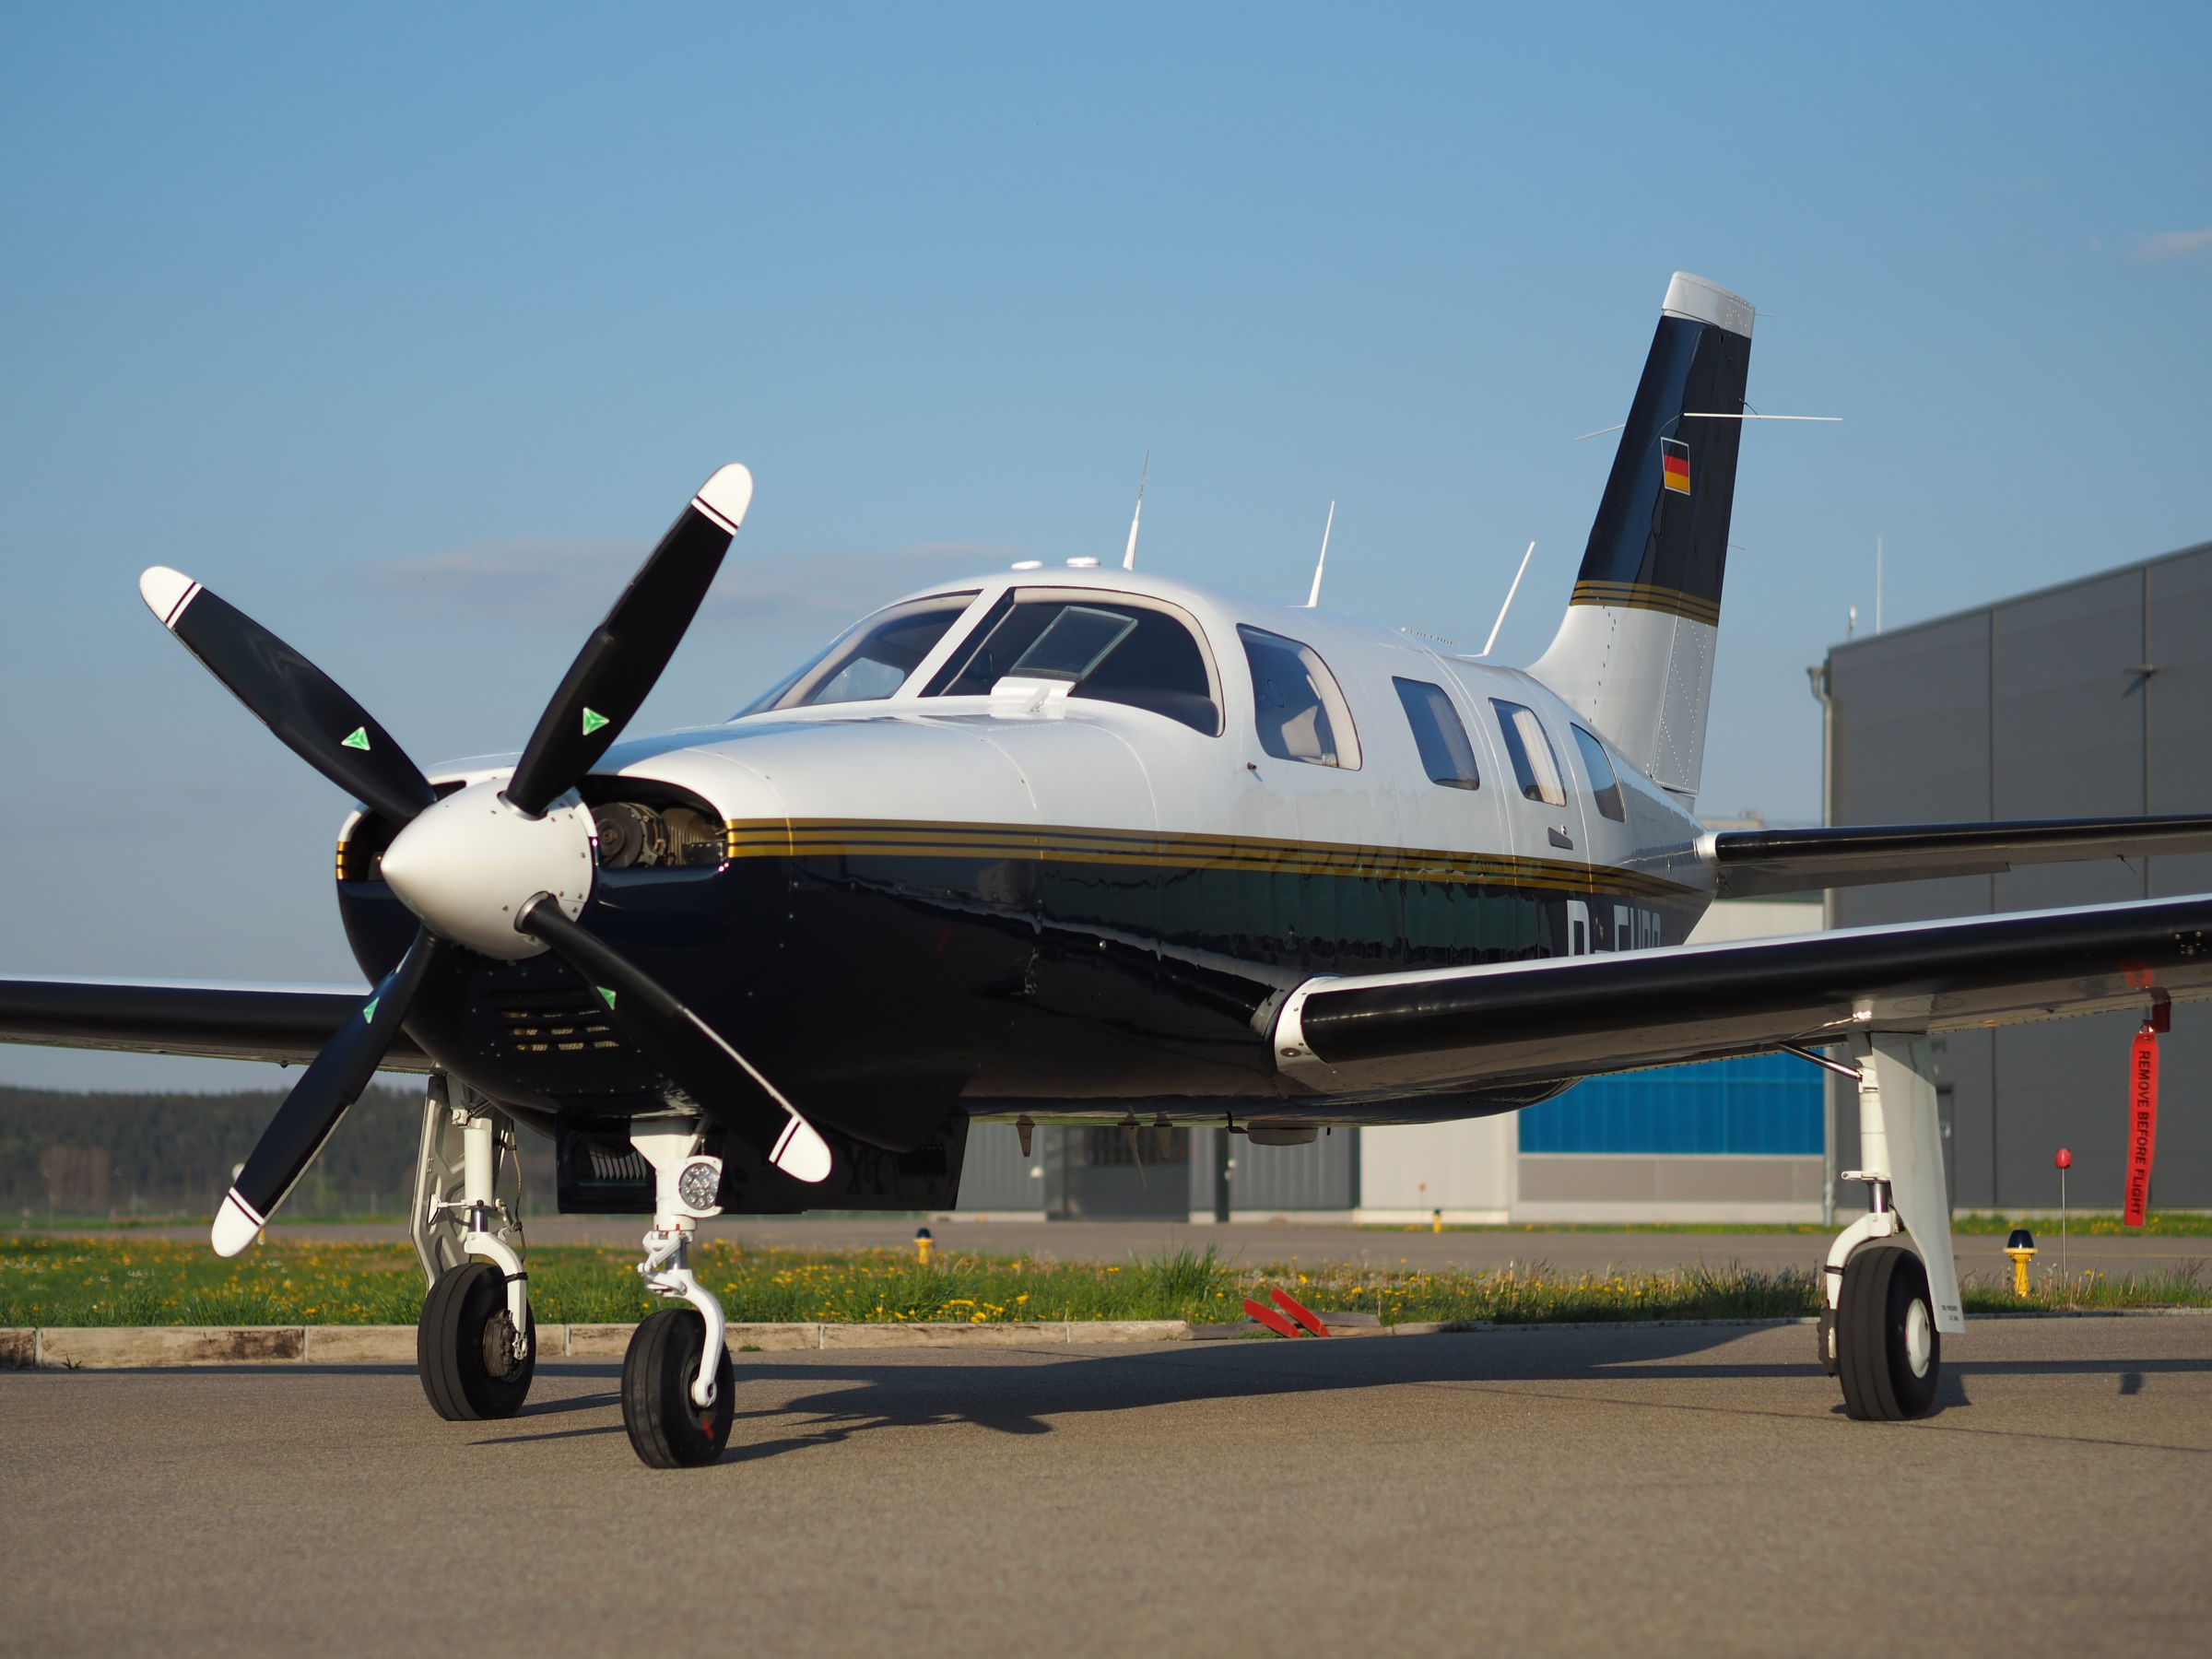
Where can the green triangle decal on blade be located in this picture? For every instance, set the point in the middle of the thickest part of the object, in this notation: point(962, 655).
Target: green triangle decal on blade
point(368, 1013)
point(607, 994)
point(592, 721)
point(359, 739)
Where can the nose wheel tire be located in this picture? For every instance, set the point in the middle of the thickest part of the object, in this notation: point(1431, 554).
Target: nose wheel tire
point(464, 1347)
point(667, 1430)
point(1888, 1356)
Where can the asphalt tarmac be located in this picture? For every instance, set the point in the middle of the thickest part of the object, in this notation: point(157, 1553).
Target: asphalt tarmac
point(1262, 1242)
point(1692, 1490)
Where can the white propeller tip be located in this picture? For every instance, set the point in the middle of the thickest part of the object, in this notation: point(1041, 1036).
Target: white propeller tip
point(167, 593)
point(726, 495)
point(235, 1224)
point(801, 1153)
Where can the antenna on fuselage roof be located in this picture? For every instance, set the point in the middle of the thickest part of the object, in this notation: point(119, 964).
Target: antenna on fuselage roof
point(1322, 563)
point(1508, 605)
point(1137, 518)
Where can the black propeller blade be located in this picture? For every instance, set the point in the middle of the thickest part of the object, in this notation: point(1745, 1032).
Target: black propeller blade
point(615, 670)
point(683, 1045)
point(290, 695)
point(332, 1082)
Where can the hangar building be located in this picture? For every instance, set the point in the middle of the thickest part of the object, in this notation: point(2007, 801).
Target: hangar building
point(2090, 699)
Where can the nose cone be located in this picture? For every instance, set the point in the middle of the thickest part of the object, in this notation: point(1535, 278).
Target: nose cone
point(468, 864)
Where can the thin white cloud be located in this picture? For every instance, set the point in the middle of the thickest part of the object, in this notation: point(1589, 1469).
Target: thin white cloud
point(2174, 244)
point(556, 583)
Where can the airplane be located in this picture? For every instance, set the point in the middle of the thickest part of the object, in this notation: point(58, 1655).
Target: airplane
point(1092, 845)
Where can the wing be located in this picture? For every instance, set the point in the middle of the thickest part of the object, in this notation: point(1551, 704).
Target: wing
point(1574, 1016)
point(284, 1023)
point(1748, 863)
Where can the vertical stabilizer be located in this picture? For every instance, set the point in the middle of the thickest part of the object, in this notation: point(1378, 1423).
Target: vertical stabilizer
point(1634, 654)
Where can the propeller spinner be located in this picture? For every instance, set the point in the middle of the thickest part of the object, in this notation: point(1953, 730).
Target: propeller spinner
point(501, 869)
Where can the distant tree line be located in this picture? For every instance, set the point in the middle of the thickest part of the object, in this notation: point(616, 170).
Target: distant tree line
point(91, 1155)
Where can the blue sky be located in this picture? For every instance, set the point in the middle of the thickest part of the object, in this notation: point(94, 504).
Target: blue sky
point(407, 328)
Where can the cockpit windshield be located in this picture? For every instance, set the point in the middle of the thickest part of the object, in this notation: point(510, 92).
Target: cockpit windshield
point(1110, 647)
point(872, 660)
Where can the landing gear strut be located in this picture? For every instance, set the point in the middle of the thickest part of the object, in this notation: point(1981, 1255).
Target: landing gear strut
point(1888, 1308)
point(676, 1378)
point(475, 1345)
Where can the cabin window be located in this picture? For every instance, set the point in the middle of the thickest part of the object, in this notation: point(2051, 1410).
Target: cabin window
point(872, 660)
point(1301, 713)
point(1535, 766)
point(1110, 650)
point(1605, 786)
point(1446, 754)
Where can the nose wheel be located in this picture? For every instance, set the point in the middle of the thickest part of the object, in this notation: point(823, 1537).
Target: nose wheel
point(667, 1428)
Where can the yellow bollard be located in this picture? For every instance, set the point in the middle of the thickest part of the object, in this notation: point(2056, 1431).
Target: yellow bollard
point(1436, 1220)
point(922, 1244)
point(2020, 1247)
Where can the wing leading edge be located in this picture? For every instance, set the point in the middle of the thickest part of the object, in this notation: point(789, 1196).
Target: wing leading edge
point(1576, 1016)
point(284, 1023)
point(1751, 862)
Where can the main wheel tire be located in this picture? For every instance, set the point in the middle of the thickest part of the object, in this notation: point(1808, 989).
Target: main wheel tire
point(666, 1428)
point(464, 1346)
point(1887, 1352)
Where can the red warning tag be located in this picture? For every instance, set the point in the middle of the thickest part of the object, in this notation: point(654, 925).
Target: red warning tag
point(2142, 1122)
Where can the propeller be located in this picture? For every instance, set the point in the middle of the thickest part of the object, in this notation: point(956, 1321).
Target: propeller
point(691, 1051)
point(503, 868)
point(333, 1081)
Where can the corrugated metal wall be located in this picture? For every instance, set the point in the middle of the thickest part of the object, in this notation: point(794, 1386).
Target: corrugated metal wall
point(2040, 707)
point(1763, 1104)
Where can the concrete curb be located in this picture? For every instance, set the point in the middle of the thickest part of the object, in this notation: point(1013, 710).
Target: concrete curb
point(118, 1347)
point(131, 1348)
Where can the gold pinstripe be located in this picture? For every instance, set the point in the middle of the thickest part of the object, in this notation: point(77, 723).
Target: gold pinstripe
point(1643, 595)
point(841, 838)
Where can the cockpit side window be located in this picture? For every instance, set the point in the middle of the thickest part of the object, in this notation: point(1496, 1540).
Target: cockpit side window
point(1605, 786)
point(873, 659)
point(1528, 747)
point(1301, 714)
point(1446, 755)
point(1112, 651)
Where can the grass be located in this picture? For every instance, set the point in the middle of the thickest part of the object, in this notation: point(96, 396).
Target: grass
point(2178, 1224)
point(60, 1282)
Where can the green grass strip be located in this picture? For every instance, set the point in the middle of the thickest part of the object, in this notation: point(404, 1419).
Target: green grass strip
point(57, 1282)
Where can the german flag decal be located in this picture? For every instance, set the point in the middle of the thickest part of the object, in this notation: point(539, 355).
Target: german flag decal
point(1673, 462)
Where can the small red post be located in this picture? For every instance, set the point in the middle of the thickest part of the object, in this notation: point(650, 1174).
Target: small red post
point(2064, 1160)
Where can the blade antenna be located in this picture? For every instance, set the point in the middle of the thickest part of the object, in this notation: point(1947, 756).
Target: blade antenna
point(1508, 603)
point(1137, 518)
point(1322, 563)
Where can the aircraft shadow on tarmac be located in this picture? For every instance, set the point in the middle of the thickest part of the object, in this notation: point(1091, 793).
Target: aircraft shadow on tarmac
point(1011, 1394)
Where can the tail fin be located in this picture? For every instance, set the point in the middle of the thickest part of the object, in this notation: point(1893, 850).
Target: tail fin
point(1634, 654)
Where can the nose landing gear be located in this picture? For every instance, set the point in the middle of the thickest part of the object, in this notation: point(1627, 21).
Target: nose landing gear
point(676, 1377)
point(475, 1345)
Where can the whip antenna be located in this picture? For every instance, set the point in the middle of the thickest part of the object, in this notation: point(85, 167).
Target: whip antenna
point(1137, 518)
point(1322, 564)
point(1509, 601)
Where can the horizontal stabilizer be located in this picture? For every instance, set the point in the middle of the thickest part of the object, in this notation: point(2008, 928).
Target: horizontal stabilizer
point(1751, 862)
point(1578, 1015)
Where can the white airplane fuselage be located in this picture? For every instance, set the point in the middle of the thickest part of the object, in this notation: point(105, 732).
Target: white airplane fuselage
point(1023, 900)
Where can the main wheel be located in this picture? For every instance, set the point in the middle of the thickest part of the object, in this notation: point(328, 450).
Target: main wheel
point(1888, 1355)
point(464, 1345)
point(667, 1430)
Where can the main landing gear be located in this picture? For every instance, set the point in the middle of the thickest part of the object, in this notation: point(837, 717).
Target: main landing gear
point(475, 1345)
point(1890, 1307)
point(676, 1379)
